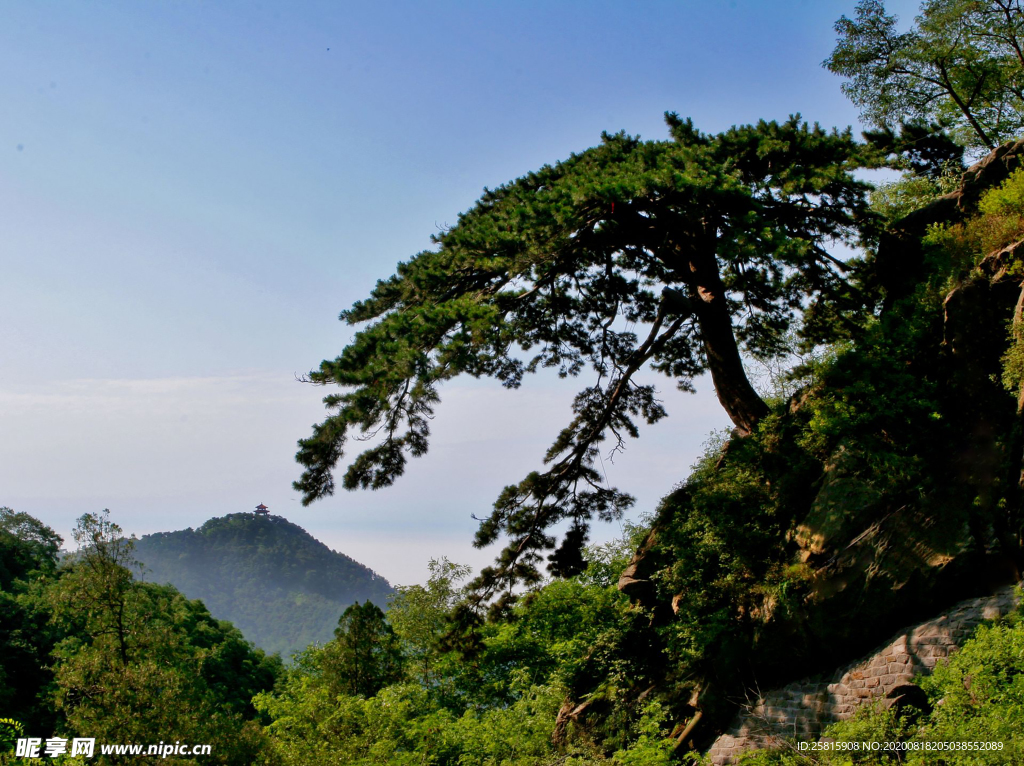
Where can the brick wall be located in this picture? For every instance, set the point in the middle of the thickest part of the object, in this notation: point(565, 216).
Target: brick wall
point(802, 709)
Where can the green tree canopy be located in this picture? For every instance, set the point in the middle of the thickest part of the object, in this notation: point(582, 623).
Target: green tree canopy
point(139, 661)
point(421, 615)
point(670, 254)
point(98, 587)
point(961, 63)
point(27, 547)
point(365, 655)
point(28, 560)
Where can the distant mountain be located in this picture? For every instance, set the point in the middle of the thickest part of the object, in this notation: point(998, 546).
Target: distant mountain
point(282, 588)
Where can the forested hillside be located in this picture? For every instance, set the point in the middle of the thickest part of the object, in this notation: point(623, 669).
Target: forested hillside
point(281, 587)
point(89, 650)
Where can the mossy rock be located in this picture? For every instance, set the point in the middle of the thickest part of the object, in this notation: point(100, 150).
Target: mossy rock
point(845, 501)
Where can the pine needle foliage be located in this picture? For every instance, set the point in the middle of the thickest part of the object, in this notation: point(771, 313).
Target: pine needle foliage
point(670, 255)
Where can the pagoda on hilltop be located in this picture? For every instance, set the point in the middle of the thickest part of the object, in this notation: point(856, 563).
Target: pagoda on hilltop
point(262, 510)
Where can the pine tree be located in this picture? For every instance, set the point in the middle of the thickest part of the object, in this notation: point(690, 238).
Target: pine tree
point(670, 254)
point(365, 655)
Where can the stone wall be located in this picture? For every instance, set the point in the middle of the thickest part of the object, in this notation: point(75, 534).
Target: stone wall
point(801, 710)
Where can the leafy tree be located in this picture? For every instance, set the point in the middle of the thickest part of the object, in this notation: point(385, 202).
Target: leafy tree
point(506, 697)
point(11, 731)
point(28, 562)
point(365, 655)
point(669, 254)
point(399, 726)
point(27, 548)
point(924, 150)
point(98, 588)
point(962, 63)
point(140, 663)
point(421, 615)
point(232, 668)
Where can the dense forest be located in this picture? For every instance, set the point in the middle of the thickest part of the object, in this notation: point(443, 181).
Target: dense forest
point(89, 649)
point(875, 479)
point(282, 588)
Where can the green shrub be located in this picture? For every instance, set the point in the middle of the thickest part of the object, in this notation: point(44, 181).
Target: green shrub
point(956, 248)
point(903, 196)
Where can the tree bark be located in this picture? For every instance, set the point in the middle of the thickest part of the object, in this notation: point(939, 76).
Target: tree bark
point(739, 399)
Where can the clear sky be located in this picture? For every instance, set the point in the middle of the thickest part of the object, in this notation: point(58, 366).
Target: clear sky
point(191, 191)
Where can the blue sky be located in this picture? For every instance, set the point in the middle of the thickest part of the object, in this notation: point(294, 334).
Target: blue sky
point(190, 192)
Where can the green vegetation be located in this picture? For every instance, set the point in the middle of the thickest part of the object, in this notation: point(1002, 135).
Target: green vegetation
point(28, 558)
point(999, 223)
point(978, 696)
point(281, 587)
point(364, 656)
point(960, 63)
point(494, 700)
point(116, 658)
point(669, 254)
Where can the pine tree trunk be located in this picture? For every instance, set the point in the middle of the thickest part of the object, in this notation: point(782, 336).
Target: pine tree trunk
point(741, 402)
